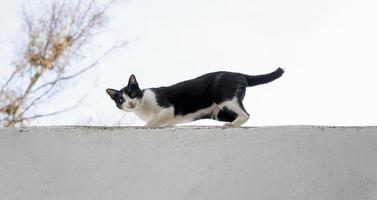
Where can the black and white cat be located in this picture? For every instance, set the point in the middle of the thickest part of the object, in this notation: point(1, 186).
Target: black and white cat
point(216, 95)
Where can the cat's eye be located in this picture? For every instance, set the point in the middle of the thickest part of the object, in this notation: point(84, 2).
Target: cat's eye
point(121, 100)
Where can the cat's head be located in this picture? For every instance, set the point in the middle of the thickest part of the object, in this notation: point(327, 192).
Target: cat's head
point(129, 98)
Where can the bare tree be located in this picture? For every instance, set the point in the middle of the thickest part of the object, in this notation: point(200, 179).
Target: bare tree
point(55, 38)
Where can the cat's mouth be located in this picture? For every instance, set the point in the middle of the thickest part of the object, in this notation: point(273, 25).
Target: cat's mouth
point(130, 108)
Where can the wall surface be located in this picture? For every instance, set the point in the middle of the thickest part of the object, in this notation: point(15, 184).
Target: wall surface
point(189, 163)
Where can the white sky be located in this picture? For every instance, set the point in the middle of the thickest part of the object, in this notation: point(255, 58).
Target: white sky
point(328, 48)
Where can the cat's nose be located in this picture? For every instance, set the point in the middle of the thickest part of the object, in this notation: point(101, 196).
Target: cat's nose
point(131, 104)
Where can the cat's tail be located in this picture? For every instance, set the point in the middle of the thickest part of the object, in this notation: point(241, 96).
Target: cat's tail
point(264, 78)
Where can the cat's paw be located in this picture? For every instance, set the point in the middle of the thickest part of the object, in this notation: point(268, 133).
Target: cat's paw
point(229, 125)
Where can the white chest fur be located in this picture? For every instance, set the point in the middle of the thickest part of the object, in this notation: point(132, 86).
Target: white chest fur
point(149, 106)
point(155, 115)
point(152, 113)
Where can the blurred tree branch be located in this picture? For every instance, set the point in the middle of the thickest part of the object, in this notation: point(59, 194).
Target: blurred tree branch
point(55, 39)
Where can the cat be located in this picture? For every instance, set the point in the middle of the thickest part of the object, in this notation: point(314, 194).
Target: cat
point(216, 95)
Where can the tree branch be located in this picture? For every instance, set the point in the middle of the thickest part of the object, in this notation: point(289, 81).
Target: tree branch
point(54, 39)
point(55, 112)
point(92, 65)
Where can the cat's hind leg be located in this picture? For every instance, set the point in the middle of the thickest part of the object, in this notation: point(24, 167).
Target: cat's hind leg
point(236, 107)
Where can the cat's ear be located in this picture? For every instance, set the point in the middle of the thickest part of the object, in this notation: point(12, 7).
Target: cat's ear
point(111, 92)
point(132, 80)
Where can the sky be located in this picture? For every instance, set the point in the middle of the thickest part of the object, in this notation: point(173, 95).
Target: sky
point(328, 49)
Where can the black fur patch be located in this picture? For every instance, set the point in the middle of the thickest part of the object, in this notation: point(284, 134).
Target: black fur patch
point(199, 93)
point(226, 115)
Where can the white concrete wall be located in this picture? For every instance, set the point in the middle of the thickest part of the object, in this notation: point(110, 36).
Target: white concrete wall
point(186, 163)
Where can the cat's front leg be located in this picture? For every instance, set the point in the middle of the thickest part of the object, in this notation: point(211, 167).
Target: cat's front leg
point(161, 119)
point(154, 123)
point(157, 120)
